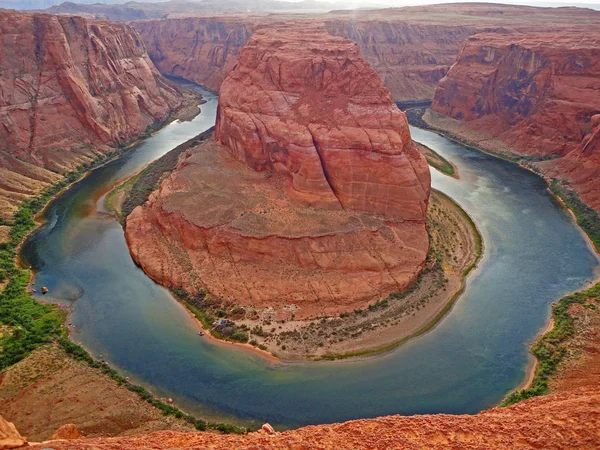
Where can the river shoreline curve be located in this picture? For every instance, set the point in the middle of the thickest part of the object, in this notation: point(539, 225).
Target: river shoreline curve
point(435, 299)
point(416, 118)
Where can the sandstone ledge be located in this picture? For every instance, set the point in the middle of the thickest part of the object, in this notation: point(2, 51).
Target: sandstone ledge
point(556, 421)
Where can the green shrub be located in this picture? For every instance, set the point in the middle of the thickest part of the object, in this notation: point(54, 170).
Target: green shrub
point(587, 218)
point(239, 336)
point(550, 349)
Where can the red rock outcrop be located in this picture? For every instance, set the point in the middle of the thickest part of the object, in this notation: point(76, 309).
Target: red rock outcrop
point(533, 94)
point(67, 431)
point(537, 92)
point(9, 436)
point(315, 201)
point(304, 104)
point(581, 167)
point(70, 89)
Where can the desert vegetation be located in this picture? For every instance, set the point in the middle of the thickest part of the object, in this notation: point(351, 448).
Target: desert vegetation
point(551, 349)
point(28, 324)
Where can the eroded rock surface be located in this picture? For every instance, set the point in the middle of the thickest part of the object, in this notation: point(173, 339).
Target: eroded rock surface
point(410, 48)
point(304, 104)
point(557, 421)
point(315, 201)
point(66, 431)
point(409, 58)
point(535, 94)
point(201, 49)
point(9, 436)
point(70, 88)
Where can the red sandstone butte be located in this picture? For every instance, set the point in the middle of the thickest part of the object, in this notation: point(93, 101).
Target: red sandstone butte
point(314, 203)
point(70, 89)
point(303, 103)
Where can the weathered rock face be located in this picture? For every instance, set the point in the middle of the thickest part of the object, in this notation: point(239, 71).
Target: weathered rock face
point(534, 94)
point(304, 104)
point(69, 89)
point(581, 167)
point(203, 49)
point(410, 48)
point(316, 200)
point(410, 58)
point(538, 92)
point(9, 436)
point(67, 431)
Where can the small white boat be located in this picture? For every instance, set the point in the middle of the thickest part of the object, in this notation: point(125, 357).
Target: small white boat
point(200, 333)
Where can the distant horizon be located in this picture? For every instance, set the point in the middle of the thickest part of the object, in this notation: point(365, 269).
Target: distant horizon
point(592, 4)
point(333, 4)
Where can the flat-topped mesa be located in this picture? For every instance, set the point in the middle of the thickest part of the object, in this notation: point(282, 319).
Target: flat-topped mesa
point(303, 103)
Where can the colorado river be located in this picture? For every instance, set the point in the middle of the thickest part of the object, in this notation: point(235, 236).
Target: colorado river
point(534, 254)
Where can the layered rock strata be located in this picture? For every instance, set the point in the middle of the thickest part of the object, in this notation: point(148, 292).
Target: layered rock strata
point(70, 88)
point(410, 48)
point(535, 94)
point(409, 58)
point(201, 49)
point(315, 200)
point(304, 104)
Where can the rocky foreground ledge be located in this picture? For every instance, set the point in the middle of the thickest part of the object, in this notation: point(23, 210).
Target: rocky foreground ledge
point(559, 421)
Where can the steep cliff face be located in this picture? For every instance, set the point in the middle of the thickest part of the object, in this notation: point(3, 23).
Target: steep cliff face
point(315, 203)
point(203, 49)
point(410, 48)
point(533, 94)
point(304, 104)
point(69, 89)
point(581, 167)
point(409, 58)
point(537, 92)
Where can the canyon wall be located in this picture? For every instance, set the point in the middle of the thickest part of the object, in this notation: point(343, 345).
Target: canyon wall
point(314, 203)
point(410, 48)
point(409, 58)
point(70, 89)
point(202, 49)
point(534, 94)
